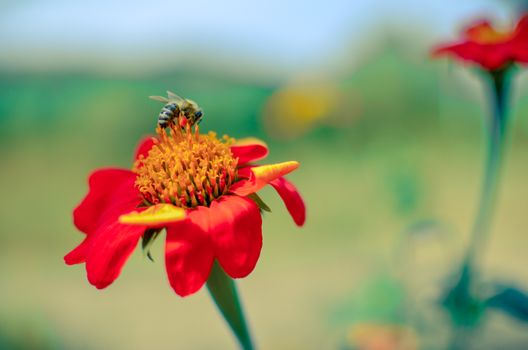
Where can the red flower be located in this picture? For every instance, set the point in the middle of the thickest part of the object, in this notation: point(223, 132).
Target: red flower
point(197, 187)
point(491, 49)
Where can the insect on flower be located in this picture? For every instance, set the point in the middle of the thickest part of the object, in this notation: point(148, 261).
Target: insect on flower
point(186, 111)
point(200, 188)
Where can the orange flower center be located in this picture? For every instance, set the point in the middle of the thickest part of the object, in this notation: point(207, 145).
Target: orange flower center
point(488, 35)
point(186, 168)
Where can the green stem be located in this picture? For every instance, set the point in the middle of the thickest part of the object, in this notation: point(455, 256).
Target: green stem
point(224, 293)
point(464, 306)
point(500, 84)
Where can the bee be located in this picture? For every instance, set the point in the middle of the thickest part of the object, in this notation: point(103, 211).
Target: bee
point(176, 106)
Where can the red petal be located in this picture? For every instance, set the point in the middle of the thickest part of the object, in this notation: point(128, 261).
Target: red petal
point(236, 227)
point(189, 257)
point(521, 30)
point(466, 50)
point(520, 53)
point(249, 150)
point(108, 244)
point(110, 191)
point(291, 198)
point(490, 57)
point(520, 42)
point(497, 56)
point(111, 247)
point(78, 254)
point(144, 147)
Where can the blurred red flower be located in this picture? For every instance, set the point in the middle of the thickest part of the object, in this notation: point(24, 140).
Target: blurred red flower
point(200, 189)
point(491, 49)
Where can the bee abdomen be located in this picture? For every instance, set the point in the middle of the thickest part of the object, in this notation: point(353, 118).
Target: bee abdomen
point(167, 114)
point(170, 106)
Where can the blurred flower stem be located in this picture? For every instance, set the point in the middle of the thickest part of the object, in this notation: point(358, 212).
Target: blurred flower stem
point(224, 293)
point(500, 82)
point(465, 307)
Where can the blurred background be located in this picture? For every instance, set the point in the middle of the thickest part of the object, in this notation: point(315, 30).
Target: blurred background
point(390, 144)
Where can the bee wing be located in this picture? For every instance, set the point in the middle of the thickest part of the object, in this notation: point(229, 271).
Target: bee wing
point(194, 104)
point(174, 97)
point(159, 98)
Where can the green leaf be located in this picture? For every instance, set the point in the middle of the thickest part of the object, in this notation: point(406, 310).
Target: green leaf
point(147, 240)
point(512, 301)
point(256, 198)
point(465, 308)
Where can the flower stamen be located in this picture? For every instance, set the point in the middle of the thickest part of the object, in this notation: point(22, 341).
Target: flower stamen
point(186, 168)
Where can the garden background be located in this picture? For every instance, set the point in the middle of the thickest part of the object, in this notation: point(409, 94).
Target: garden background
point(390, 143)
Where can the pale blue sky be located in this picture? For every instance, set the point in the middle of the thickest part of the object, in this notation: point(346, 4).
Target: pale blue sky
point(291, 34)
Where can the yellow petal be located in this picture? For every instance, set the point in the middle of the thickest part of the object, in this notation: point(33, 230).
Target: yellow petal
point(270, 172)
point(157, 215)
point(263, 174)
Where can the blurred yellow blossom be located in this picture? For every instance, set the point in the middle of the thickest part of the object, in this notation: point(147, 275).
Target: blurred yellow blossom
point(297, 107)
